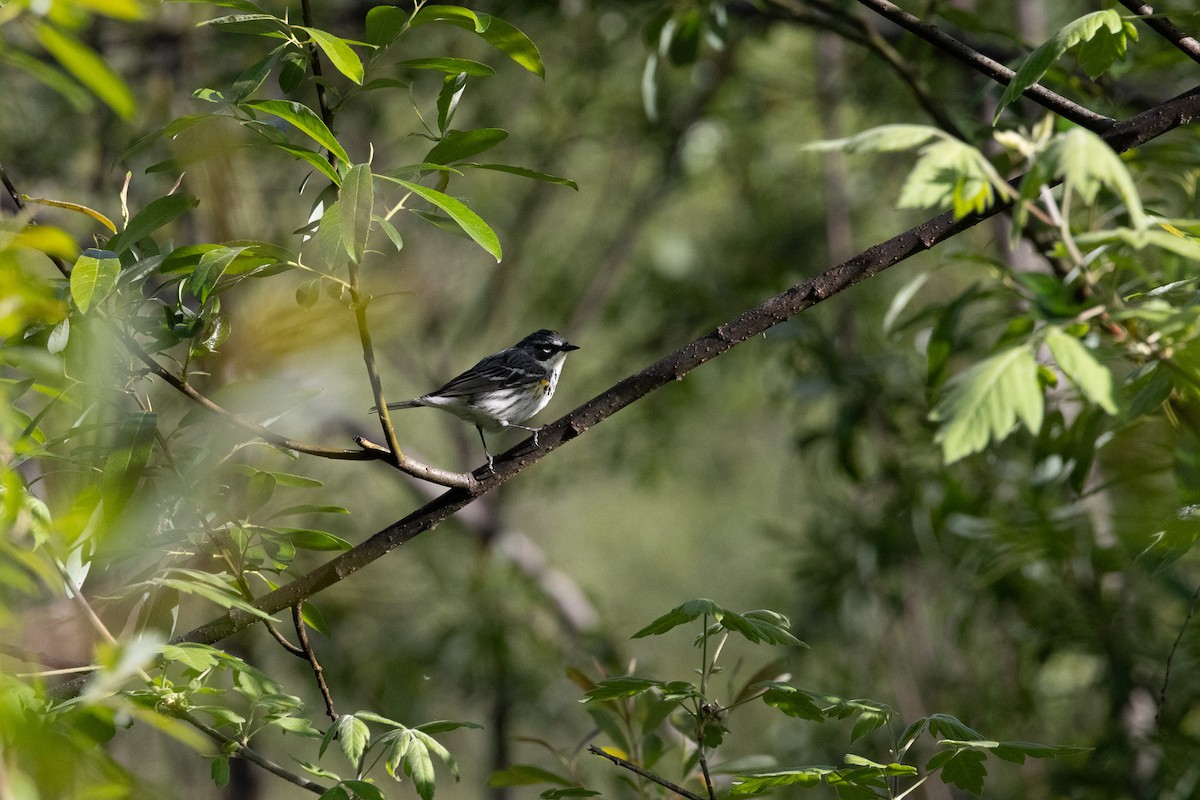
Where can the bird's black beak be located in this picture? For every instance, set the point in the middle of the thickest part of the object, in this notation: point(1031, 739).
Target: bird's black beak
point(566, 348)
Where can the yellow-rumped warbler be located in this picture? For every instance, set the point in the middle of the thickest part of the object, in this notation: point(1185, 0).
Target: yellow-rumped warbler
point(504, 389)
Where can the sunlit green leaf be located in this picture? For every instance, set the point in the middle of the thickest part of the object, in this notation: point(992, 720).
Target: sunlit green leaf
point(1093, 379)
point(156, 214)
point(1106, 23)
point(339, 53)
point(93, 278)
point(525, 173)
point(468, 220)
point(984, 403)
point(452, 66)
point(457, 145)
point(623, 686)
point(305, 119)
point(383, 24)
point(681, 615)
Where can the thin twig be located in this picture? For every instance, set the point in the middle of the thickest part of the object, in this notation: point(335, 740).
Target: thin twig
point(1166, 29)
point(650, 776)
point(314, 60)
point(242, 751)
point(712, 795)
point(1086, 118)
point(1162, 692)
point(311, 655)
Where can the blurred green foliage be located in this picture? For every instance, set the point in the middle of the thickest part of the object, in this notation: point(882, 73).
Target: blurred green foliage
point(969, 483)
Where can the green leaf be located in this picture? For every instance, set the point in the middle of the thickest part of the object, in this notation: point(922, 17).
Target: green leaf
point(315, 159)
point(443, 725)
point(220, 771)
point(194, 656)
point(1086, 163)
point(1105, 23)
point(457, 145)
point(80, 99)
point(356, 198)
point(303, 118)
point(364, 790)
point(156, 214)
point(329, 237)
point(253, 76)
point(339, 53)
point(57, 341)
point(793, 702)
point(882, 139)
point(210, 269)
point(254, 24)
point(525, 775)
point(493, 30)
point(88, 68)
point(616, 688)
point(453, 66)
point(352, 735)
point(526, 173)
point(309, 539)
point(390, 231)
point(681, 615)
point(1093, 379)
point(383, 24)
point(805, 777)
point(471, 223)
point(419, 766)
point(447, 101)
point(127, 459)
point(93, 278)
point(985, 402)
point(963, 768)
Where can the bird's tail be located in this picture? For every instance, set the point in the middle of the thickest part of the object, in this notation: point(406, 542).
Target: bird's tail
point(397, 405)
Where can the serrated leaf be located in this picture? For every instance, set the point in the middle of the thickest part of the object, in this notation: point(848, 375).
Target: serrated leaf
point(364, 790)
point(984, 403)
point(1104, 23)
point(963, 768)
point(219, 771)
point(1086, 163)
point(356, 198)
point(681, 615)
point(470, 222)
point(881, 139)
point(419, 766)
point(1017, 752)
point(304, 119)
point(87, 67)
point(93, 278)
point(622, 686)
point(352, 736)
point(339, 53)
point(1093, 379)
point(793, 702)
point(156, 214)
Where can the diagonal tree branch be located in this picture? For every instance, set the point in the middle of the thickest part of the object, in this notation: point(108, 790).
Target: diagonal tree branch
point(1086, 118)
point(1122, 136)
point(1166, 29)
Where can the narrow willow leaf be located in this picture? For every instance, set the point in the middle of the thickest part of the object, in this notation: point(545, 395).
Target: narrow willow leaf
point(305, 119)
point(356, 198)
point(155, 215)
point(90, 212)
point(1093, 379)
point(447, 101)
point(525, 173)
point(984, 403)
point(250, 24)
point(457, 145)
point(93, 278)
point(390, 230)
point(452, 66)
point(329, 237)
point(88, 68)
point(253, 76)
point(471, 223)
point(340, 54)
point(1105, 23)
point(493, 30)
point(315, 159)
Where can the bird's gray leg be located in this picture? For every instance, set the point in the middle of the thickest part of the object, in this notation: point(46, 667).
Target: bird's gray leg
point(486, 452)
point(534, 431)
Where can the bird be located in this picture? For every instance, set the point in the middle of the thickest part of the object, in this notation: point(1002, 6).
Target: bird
point(504, 389)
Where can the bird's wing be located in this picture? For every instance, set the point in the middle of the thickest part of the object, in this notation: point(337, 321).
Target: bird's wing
point(503, 370)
